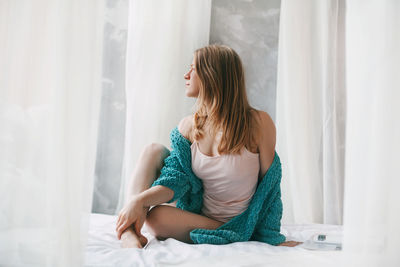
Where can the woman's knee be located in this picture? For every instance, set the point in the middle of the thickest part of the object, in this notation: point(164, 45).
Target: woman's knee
point(155, 151)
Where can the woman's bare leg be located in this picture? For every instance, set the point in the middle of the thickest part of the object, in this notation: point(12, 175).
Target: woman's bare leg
point(166, 221)
point(146, 171)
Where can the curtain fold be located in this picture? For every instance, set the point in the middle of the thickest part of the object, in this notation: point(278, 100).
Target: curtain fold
point(50, 65)
point(162, 36)
point(372, 201)
point(311, 101)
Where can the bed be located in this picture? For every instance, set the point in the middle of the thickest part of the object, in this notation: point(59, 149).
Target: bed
point(103, 249)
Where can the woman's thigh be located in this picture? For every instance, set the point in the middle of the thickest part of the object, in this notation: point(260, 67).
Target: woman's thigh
point(166, 221)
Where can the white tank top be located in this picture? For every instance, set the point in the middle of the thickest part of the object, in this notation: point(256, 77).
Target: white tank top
point(229, 181)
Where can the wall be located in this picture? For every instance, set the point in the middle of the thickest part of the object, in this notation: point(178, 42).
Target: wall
point(251, 28)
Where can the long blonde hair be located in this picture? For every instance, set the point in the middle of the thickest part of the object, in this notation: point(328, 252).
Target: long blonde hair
point(222, 100)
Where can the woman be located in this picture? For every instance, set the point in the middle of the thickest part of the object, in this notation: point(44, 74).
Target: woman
point(232, 147)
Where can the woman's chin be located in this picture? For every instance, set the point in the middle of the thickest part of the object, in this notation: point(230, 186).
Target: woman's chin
point(190, 94)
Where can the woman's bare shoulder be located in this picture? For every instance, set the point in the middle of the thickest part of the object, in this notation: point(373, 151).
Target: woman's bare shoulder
point(265, 123)
point(185, 127)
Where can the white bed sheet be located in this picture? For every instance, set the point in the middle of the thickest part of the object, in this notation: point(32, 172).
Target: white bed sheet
point(104, 249)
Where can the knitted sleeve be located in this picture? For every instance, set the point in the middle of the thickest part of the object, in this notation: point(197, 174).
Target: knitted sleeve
point(173, 177)
point(268, 227)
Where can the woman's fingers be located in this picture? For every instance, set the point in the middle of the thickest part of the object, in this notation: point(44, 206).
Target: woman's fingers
point(290, 243)
point(121, 229)
point(119, 224)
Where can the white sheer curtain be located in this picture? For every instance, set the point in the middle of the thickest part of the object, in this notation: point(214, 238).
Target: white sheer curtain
point(311, 99)
point(50, 62)
point(372, 199)
point(311, 103)
point(162, 36)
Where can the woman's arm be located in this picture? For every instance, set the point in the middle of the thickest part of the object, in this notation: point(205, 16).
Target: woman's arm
point(266, 142)
point(155, 195)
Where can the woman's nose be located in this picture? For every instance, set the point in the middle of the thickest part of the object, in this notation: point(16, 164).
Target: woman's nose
point(187, 75)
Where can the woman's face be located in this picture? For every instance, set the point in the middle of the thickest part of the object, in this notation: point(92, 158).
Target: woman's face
point(192, 81)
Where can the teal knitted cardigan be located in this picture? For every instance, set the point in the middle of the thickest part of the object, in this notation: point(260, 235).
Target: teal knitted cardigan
point(259, 222)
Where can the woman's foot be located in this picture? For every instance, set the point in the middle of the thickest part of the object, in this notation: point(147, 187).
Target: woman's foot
point(130, 239)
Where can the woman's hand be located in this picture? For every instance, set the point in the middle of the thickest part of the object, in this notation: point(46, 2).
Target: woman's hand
point(290, 243)
point(135, 213)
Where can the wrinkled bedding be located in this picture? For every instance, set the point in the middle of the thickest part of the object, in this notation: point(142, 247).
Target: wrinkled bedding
point(104, 249)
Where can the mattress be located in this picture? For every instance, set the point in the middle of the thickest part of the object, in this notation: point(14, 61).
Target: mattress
point(104, 249)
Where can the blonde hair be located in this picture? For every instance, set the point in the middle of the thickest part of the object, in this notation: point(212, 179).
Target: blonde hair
point(222, 100)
